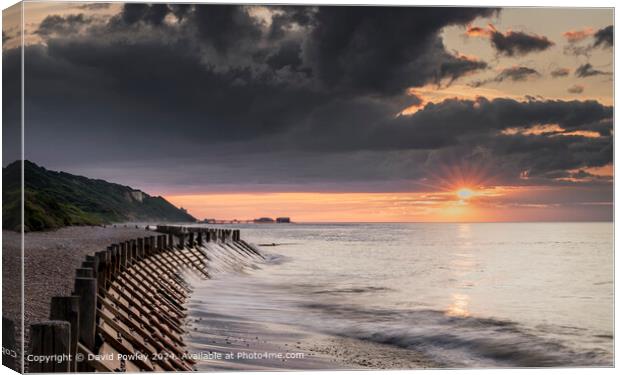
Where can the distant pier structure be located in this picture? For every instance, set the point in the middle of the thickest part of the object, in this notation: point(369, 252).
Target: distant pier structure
point(260, 220)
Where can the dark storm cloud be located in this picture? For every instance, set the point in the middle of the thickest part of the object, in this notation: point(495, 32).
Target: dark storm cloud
point(225, 98)
point(11, 105)
point(604, 37)
point(482, 115)
point(287, 55)
point(459, 67)
point(543, 156)
point(226, 27)
point(587, 70)
point(518, 43)
point(149, 13)
point(64, 25)
point(515, 74)
point(385, 50)
point(283, 22)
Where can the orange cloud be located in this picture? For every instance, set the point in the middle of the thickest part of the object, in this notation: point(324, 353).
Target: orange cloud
point(551, 130)
point(476, 31)
point(574, 36)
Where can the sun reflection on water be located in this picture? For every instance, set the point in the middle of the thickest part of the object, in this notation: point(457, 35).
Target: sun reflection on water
point(459, 306)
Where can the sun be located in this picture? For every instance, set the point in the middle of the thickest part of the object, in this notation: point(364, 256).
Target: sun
point(464, 193)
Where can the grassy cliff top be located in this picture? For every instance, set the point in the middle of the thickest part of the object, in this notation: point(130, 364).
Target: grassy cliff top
point(57, 199)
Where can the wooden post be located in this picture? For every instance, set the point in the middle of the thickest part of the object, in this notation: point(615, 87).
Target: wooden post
point(110, 264)
point(140, 244)
point(94, 260)
point(199, 238)
point(68, 309)
point(9, 345)
point(130, 250)
point(170, 240)
point(123, 246)
point(115, 261)
point(182, 241)
point(88, 264)
point(86, 288)
point(134, 251)
point(191, 239)
point(147, 247)
point(84, 272)
point(52, 338)
point(102, 271)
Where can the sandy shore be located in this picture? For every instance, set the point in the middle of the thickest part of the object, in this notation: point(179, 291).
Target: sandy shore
point(50, 260)
point(245, 346)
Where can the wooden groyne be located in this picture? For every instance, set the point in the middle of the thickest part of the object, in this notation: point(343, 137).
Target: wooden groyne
point(127, 310)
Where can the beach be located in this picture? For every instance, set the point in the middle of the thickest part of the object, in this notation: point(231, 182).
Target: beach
point(50, 260)
point(371, 296)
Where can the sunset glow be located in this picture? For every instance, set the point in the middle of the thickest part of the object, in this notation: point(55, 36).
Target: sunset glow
point(511, 203)
point(465, 193)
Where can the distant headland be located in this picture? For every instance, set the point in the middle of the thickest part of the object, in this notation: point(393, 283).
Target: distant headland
point(58, 199)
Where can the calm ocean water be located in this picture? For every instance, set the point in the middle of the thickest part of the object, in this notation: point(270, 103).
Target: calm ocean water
point(466, 295)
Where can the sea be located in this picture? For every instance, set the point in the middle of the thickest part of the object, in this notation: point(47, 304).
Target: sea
point(463, 295)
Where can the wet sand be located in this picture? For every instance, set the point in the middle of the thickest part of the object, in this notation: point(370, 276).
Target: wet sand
point(273, 347)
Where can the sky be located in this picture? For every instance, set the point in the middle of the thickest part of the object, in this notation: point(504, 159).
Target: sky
point(341, 114)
